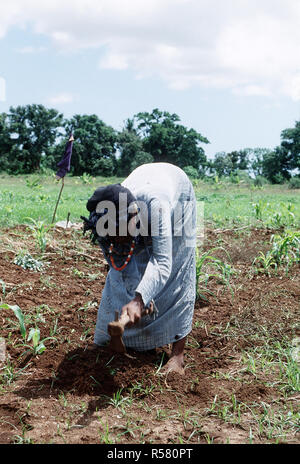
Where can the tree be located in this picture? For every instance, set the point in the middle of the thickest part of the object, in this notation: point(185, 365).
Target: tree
point(94, 146)
point(32, 129)
point(226, 164)
point(5, 142)
point(131, 150)
point(239, 160)
point(222, 164)
point(256, 157)
point(168, 141)
point(276, 166)
point(291, 144)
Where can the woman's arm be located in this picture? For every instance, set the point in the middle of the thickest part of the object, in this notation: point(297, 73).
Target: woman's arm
point(159, 267)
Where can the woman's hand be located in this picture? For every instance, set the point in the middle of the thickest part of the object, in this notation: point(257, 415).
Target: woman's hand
point(134, 310)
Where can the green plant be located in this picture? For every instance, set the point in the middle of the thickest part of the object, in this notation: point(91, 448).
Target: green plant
point(77, 273)
point(286, 248)
point(206, 261)
point(285, 251)
point(39, 230)
point(265, 262)
point(26, 261)
point(141, 390)
point(19, 315)
point(117, 400)
point(259, 208)
point(209, 439)
point(9, 373)
point(34, 184)
point(8, 210)
point(283, 218)
point(288, 367)
point(160, 364)
point(104, 436)
point(86, 178)
point(191, 172)
point(37, 345)
point(294, 183)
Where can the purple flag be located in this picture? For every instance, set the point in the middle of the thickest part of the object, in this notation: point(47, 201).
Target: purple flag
point(65, 163)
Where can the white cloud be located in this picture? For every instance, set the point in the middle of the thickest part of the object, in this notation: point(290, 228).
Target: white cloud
point(293, 86)
point(252, 90)
point(60, 98)
point(29, 50)
point(114, 61)
point(248, 46)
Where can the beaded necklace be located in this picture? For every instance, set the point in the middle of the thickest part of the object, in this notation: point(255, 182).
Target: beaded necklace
point(126, 260)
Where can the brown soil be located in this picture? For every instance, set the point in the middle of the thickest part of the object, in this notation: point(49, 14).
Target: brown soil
point(68, 393)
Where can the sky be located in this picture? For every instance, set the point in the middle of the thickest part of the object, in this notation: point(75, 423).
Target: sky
point(230, 69)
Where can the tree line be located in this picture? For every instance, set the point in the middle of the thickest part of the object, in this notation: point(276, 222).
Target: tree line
point(33, 139)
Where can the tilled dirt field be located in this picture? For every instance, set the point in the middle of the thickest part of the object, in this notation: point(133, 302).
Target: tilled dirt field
point(233, 390)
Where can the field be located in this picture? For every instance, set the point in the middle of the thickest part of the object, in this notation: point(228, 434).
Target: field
point(241, 382)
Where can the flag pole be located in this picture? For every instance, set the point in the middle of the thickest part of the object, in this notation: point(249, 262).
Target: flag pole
point(61, 189)
point(64, 167)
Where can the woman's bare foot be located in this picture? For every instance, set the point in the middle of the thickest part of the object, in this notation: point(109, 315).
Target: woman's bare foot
point(176, 361)
point(174, 365)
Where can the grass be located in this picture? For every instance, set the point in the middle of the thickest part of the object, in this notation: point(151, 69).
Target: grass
point(275, 357)
point(233, 206)
point(22, 202)
point(31, 199)
point(270, 421)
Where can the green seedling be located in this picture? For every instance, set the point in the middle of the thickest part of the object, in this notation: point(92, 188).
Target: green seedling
point(9, 373)
point(86, 179)
point(39, 230)
point(19, 315)
point(160, 364)
point(8, 210)
point(34, 184)
point(265, 262)
point(259, 209)
point(117, 399)
point(206, 260)
point(285, 251)
point(141, 390)
point(77, 273)
point(286, 248)
point(104, 436)
point(283, 216)
point(37, 345)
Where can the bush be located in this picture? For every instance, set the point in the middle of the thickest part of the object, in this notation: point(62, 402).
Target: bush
point(191, 172)
point(294, 183)
point(259, 181)
point(278, 178)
